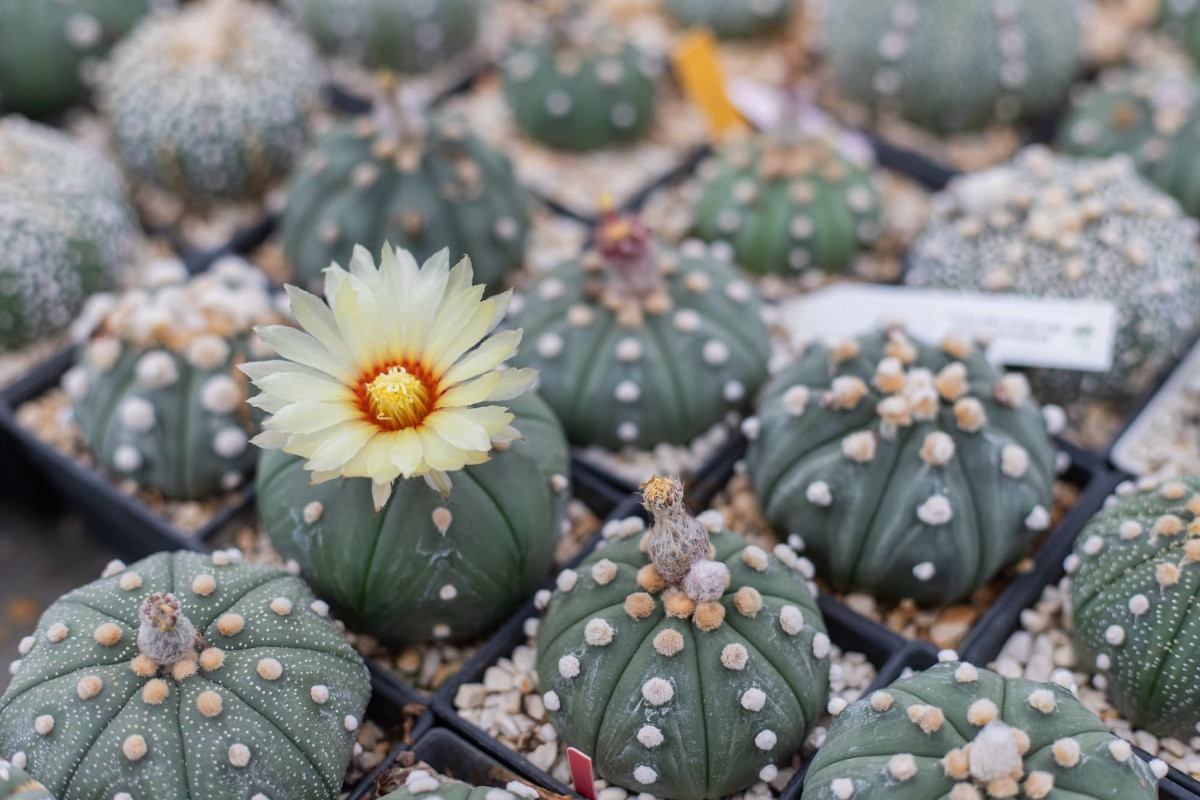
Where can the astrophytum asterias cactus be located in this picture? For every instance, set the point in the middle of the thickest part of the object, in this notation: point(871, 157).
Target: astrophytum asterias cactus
point(688, 663)
point(15, 784)
point(909, 471)
point(422, 783)
point(957, 732)
point(1134, 575)
point(186, 677)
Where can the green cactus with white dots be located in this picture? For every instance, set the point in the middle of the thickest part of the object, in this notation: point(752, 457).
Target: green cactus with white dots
point(954, 65)
point(66, 230)
point(422, 782)
point(186, 677)
point(687, 664)
point(156, 391)
point(733, 20)
point(909, 471)
point(581, 92)
point(674, 336)
point(957, 732)
point(1181, 19)
point(212, 103)
point(1133, 583)
point(15, 784)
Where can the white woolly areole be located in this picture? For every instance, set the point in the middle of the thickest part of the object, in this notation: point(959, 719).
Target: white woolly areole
point(705, 581)
point(156, 370)
point(568, 666)
point(924, 571)
point(645, 775)
point(1114, 635)
point(734, 656)
point(220, 395)
point(754, 699)
point(126, 458)
point(765, 739)
point(859, 447)
point(947, 656)
point(842, 788)
point(657, 691)
point(1129, 529)
point(1038, 519)
point(137, 414)
point(791, 619)
point(935, 511)
point(1014, 460)
point(75, 382)
point(598, 632)
point(550, 701)
point(993, 753)
point(629, 349)
point(566, 580)
point(938, 448)
point(230, 442)
point(820, 645)
point(421, 782)
point(966, 673)
point(818, 493)
point(795, 400)
point(207, 352)
point(1120, 750)
point(768, 773)
point(1139, 604)
point(902, 766)
point(649, 736)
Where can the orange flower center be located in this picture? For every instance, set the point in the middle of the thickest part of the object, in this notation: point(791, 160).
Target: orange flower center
point(398, 398)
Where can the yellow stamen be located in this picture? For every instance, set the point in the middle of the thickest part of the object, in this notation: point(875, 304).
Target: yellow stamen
point(399, 397)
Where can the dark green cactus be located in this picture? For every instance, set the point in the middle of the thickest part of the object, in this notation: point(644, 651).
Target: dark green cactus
point(66, 230)
point(262, 701)
point(375, 182)
point(787, 204)
point(1133, 579)
point(423, 568)
point(15, 784)
point(405, 35)
point(688, 688)
point(909, 471)
point(422, 783)
point(957, 732)
point(674, 337)
point(49, 52)
point(1181, 19)
point(581, 92)
point(954, 65)
point(1055, 226)
point(212, 103)
point(156, 391)
point(733, 20)
point(1152, 116)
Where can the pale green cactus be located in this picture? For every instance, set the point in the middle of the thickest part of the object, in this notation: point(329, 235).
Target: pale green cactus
point(15, 784)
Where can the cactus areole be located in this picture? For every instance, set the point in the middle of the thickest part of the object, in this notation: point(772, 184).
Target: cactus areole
point(688, 664)
point(186, 677)
point(15, 784)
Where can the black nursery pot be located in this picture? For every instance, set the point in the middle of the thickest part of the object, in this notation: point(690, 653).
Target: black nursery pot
point(388, 708)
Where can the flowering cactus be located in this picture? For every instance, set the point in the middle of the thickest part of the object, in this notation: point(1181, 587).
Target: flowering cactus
point(186, 677)
point(962, 733)
point(687, 664)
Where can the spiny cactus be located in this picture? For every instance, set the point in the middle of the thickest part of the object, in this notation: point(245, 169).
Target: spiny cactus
point(674, 337)
point(959, 732)
point(404, 35)
point(788, 202)
point(1133, 581)
point(1152, 116)
point(15, 784)
point(909, 471)
point(66, 230)
point(156, 391)
point(262, 702)
point(1054, 226)
point(575, 90)
point(687, 664)
point(421, 783)
point(49, 52)
point(212, 103)
point(404, 182)
point(1181, 19)
point(954, 65)
point(733, 20)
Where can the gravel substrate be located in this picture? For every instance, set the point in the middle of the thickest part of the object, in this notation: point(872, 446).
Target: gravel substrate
point(508, 706)
point(636, 466)
point(1042, 651)
point(945, 627)
point(374, 743)
point(1164, 440)
point(425, 667)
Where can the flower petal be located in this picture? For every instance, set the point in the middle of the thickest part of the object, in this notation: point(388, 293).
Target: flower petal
point(340, 444)
point(513, 383)
point(298, 387)
point(317, 319)
point(457, 428)
point(308, 418)
point(471, 392)
point(488, 355)
point(304, 349)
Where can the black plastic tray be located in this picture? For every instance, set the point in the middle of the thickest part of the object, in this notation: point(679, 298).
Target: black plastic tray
point(387, 709)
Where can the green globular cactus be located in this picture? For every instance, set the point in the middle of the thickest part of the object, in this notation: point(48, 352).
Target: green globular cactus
point(15, 784)
point(422, 783)
point(423, 568)
point(66, 230)
point(384, 181)
point(212, 104)
point(957, 732)
point(156, 391)
point(638, 343)
point(408, 36)
point(686, 664)
point(1055, 226)
point(733, 20)
point(909, 471)
point(1181, 19)
point(788, 203)
point(1152, 116)
point(186, 677)
point(49, 52)
point(954, 65)
point(1133, 580)
point(581, 91)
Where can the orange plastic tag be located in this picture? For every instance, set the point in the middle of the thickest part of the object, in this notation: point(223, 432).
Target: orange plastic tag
point(698, 65)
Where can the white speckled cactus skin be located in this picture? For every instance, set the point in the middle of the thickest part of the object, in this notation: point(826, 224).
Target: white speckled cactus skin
point(268, 709)
point(421, 783)
point(954, 65)
point(156, 391)
point(684, 691)
point(212, 103)
point(909, 471)
point(15, 784)
point(405, 35)
point(66, 230)
point(1181, 19)
point(1134, 577)
point(1055, 226)
point(957, 732)
point(733, 20)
